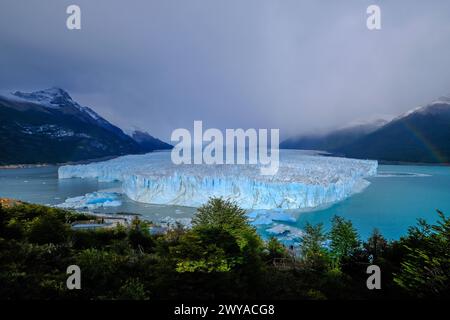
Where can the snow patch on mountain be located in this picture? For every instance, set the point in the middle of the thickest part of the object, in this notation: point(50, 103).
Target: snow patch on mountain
point(441, 104)
point(52, 98)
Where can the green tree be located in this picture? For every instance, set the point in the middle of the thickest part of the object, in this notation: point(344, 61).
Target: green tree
point(102, 271)
point(222, 213)
point(425, 272)
point(344, 238)
point(206, 249)
point(376, 245)
point(225, 214)
point(13, 229)
point(222, 242)
point(47, 228)
point(275, 249)
point(139, 235)
point(133, 289)
point(313, 253)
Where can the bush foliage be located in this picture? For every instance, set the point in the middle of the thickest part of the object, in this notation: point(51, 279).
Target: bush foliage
point(222, 256)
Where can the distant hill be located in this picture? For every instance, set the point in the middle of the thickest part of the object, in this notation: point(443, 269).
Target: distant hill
point(48, 126)
point(332, 140)
point(420, 135)
point(148, 142)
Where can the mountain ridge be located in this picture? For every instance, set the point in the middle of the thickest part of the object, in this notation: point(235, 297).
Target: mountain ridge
point(421, 135)
point(334, 139)
point(48, 126)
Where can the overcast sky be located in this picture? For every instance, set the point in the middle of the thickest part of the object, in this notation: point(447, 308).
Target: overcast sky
point(297, 65)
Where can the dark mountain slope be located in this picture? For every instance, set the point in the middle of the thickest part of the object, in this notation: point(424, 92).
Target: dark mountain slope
point(148, 142)
point(422, 135)
point(49, 127)
point(332, 140)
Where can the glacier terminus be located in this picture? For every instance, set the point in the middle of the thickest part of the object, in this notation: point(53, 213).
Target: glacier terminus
point(304, 180)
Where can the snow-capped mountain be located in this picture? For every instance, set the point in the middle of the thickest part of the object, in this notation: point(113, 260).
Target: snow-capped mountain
point(58, 99)
point(438, 106)
point(419, 135)
point(48, 126)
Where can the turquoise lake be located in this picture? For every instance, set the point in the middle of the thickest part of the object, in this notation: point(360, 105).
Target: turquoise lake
point(394, 200)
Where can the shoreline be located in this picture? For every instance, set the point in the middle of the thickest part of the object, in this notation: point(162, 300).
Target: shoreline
point(390, 162)
point(405, 163)
point(41, 165)
point(58, 164)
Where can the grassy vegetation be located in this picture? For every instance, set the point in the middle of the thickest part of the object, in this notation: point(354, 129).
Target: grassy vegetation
point(222, 256)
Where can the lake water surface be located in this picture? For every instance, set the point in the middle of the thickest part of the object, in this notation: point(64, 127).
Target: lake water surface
point(393, 201)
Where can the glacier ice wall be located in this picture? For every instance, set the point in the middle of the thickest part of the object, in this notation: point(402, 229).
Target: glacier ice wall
point(92, 200)
point(302, 181)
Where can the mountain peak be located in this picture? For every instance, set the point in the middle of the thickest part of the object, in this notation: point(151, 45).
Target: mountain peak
point(437, 106)
point(146, 140)
point(56, 91)
point(445, 99)
point(51, 97)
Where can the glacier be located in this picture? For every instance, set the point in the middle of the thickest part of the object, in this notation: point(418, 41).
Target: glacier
point(266, 217)
point(286, 234)
point(92, 201)
point(303, 180)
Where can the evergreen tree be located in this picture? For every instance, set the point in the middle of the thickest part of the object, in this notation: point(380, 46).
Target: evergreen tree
point(218, 212)
point(276, 250)
point(375, 246)
point(225, 214)
point(344, 238)
point(313, 253)
point(426, 270)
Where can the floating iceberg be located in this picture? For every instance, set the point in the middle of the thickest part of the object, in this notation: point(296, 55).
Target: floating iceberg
point(302, 181)
point(261, 217)
point(401, 175)
point(286, 234)
point(92, 201)
point(172, 223)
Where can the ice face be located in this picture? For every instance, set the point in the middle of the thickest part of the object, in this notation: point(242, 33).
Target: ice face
point(285, 232)
point(302, 181)
point(266, 217)
point(92, 201)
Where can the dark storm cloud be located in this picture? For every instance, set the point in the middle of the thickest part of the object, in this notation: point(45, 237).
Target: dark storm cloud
point(294, 65)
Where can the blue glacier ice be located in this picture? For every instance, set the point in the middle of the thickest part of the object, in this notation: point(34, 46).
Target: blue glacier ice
point(303, 180)
point(286, 234)
point(92, 200)
point(262, 217)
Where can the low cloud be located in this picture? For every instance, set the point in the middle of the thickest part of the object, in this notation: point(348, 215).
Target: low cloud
point(300, 66)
